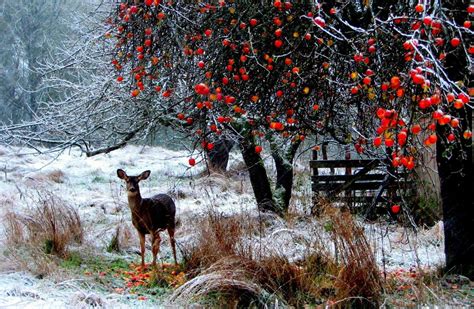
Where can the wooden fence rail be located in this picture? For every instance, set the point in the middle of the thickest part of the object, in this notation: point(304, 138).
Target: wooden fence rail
point(361, 184)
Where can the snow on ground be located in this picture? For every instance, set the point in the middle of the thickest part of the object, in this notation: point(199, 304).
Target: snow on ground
point(91, 185)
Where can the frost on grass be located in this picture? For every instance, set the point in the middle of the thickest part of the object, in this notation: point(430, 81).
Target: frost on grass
point(44, 230)
point(90, 187)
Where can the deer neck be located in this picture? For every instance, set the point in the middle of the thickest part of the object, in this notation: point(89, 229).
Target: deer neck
point(134, 201)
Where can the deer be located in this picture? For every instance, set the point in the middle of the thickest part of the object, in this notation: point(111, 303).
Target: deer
point(150, 215)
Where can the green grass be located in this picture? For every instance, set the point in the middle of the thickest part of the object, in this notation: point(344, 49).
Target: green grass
point(99, 179)
point(110, 275)
point(76, 261)
point(73, 261)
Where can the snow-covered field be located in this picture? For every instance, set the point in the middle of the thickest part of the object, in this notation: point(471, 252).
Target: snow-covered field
point(92, 187)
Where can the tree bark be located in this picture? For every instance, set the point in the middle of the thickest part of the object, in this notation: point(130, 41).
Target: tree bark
point(284, 182)
point(456, 182)
point(219, 155)
point(258, 177)
point(455, 171)
point(284, 168)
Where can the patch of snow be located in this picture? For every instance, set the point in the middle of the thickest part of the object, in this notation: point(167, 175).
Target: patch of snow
point(93, 188)
point(23, 290)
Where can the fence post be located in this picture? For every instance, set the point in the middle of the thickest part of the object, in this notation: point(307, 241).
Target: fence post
point(348, 193)
point(315, 198)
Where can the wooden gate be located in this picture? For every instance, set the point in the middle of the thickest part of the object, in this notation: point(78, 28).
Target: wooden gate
point(361, 184)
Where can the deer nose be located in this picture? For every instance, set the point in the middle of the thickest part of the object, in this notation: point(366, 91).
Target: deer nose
point(132, 190)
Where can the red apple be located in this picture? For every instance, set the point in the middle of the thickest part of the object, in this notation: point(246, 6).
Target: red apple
point(451, 137)
point(320, 21)
point(377, 141)
point(455, 42)
point(395, 209)
point(416, 129)
point(419, 8)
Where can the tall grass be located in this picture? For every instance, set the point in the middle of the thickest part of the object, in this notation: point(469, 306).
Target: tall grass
point(226, 264)
point(358, 280)
point(43, 230)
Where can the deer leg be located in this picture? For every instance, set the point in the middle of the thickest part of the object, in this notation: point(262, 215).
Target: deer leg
point(142, 248)
point(156, 246)
point(173, 244)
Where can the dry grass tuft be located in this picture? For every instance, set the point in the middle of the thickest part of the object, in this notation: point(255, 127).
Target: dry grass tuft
point(43, 231)
point(296, 284)
point(114, 243)
point(221, 264)
point(358, 280)
point(122, 239)
point(229, 280)
point(225, 262)
point(56, 176)
point(217, 238)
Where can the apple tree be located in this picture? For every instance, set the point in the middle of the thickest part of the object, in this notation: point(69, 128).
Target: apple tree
point(374, 74)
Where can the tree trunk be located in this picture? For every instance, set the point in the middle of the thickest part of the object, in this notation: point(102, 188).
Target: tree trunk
point(284, 182)
point(455, 171)
point(258, 177)
point(284, 167)
point(219, 155)
point(455, 174)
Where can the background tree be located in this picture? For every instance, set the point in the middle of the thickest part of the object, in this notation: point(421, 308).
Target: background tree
point(29, 31)
point(80, 103)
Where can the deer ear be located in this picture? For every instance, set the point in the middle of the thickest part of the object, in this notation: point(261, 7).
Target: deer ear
point(121, 174)
point(144, 175)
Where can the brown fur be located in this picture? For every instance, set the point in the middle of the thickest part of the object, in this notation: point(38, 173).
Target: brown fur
point(150, 215)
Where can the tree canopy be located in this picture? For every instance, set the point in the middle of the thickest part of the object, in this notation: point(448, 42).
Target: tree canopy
point(291, 68)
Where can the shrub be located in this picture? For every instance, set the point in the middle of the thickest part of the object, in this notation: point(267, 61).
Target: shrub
point(45, 228)
point(225, 264)
point(358, 280)
point(56, 176)
point(427, 208)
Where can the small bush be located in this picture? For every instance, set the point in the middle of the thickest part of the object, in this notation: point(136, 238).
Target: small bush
point(427, 209)
point(114, 243)
point(56, 176)
point(49, 225)
point(226, 265)
point(358, 280)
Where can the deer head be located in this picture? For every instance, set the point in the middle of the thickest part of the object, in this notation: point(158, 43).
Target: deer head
point(132, 181)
